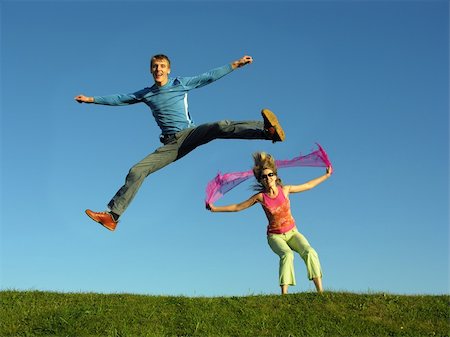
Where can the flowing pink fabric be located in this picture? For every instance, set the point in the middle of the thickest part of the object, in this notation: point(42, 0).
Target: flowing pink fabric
point(223, 183)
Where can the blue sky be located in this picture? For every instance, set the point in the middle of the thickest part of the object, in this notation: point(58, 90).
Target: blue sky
point(368, 80)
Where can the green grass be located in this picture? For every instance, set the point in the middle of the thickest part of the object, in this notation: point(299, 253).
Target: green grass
point(36, 313)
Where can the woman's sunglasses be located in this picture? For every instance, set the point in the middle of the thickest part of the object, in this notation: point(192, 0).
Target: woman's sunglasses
point(265, 176)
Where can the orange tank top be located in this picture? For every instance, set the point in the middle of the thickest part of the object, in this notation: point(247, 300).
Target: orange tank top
point(278, 212)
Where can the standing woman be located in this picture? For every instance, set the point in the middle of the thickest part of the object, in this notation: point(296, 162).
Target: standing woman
point(282, 234)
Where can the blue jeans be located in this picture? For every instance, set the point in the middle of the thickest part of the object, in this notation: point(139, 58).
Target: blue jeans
point(180, 145)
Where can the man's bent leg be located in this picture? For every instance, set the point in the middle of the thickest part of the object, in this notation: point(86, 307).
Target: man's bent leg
point(153, 162)
point(268, 129)
point(225, 129)
point(229, 130)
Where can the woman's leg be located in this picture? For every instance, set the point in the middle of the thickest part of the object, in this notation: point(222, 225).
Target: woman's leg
point(318, 283)
point(299, 244)
point(277, 243)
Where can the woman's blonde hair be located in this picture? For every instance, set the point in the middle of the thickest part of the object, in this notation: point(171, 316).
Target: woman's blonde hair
point(263, 161)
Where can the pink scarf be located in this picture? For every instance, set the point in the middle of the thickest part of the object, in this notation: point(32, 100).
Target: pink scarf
point(223, 183)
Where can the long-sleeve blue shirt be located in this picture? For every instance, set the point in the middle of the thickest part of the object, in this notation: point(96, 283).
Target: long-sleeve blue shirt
point(168, 103)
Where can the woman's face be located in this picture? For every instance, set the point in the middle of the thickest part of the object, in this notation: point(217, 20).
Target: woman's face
point(268, 178)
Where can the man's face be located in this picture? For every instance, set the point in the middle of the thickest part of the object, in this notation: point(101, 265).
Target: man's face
point(160, 70)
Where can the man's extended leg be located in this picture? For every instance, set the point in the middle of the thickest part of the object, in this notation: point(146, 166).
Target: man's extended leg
point(163, 156)
point(153, 162)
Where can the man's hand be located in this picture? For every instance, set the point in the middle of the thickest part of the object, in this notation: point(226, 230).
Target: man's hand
point(242, 62)
point(84, 99)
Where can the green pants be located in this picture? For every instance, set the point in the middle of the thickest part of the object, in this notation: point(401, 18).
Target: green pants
point(283, 245)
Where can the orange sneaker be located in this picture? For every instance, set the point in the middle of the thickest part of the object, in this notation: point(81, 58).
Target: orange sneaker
point(272, 126)
point(103, 218)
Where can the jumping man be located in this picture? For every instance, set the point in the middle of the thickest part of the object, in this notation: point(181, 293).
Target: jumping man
point(167, 99)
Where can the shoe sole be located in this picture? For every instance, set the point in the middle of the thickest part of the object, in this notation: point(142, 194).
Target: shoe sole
point(108, 228)
point(270, 118)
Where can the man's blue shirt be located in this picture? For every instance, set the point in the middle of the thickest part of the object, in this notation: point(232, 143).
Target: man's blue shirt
point(169, 102)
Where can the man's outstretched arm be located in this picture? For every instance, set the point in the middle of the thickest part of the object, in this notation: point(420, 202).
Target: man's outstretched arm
point(116, 100)
point(214, 74)
point(84, 99)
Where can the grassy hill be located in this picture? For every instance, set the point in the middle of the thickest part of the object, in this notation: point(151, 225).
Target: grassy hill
point(35, 313)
